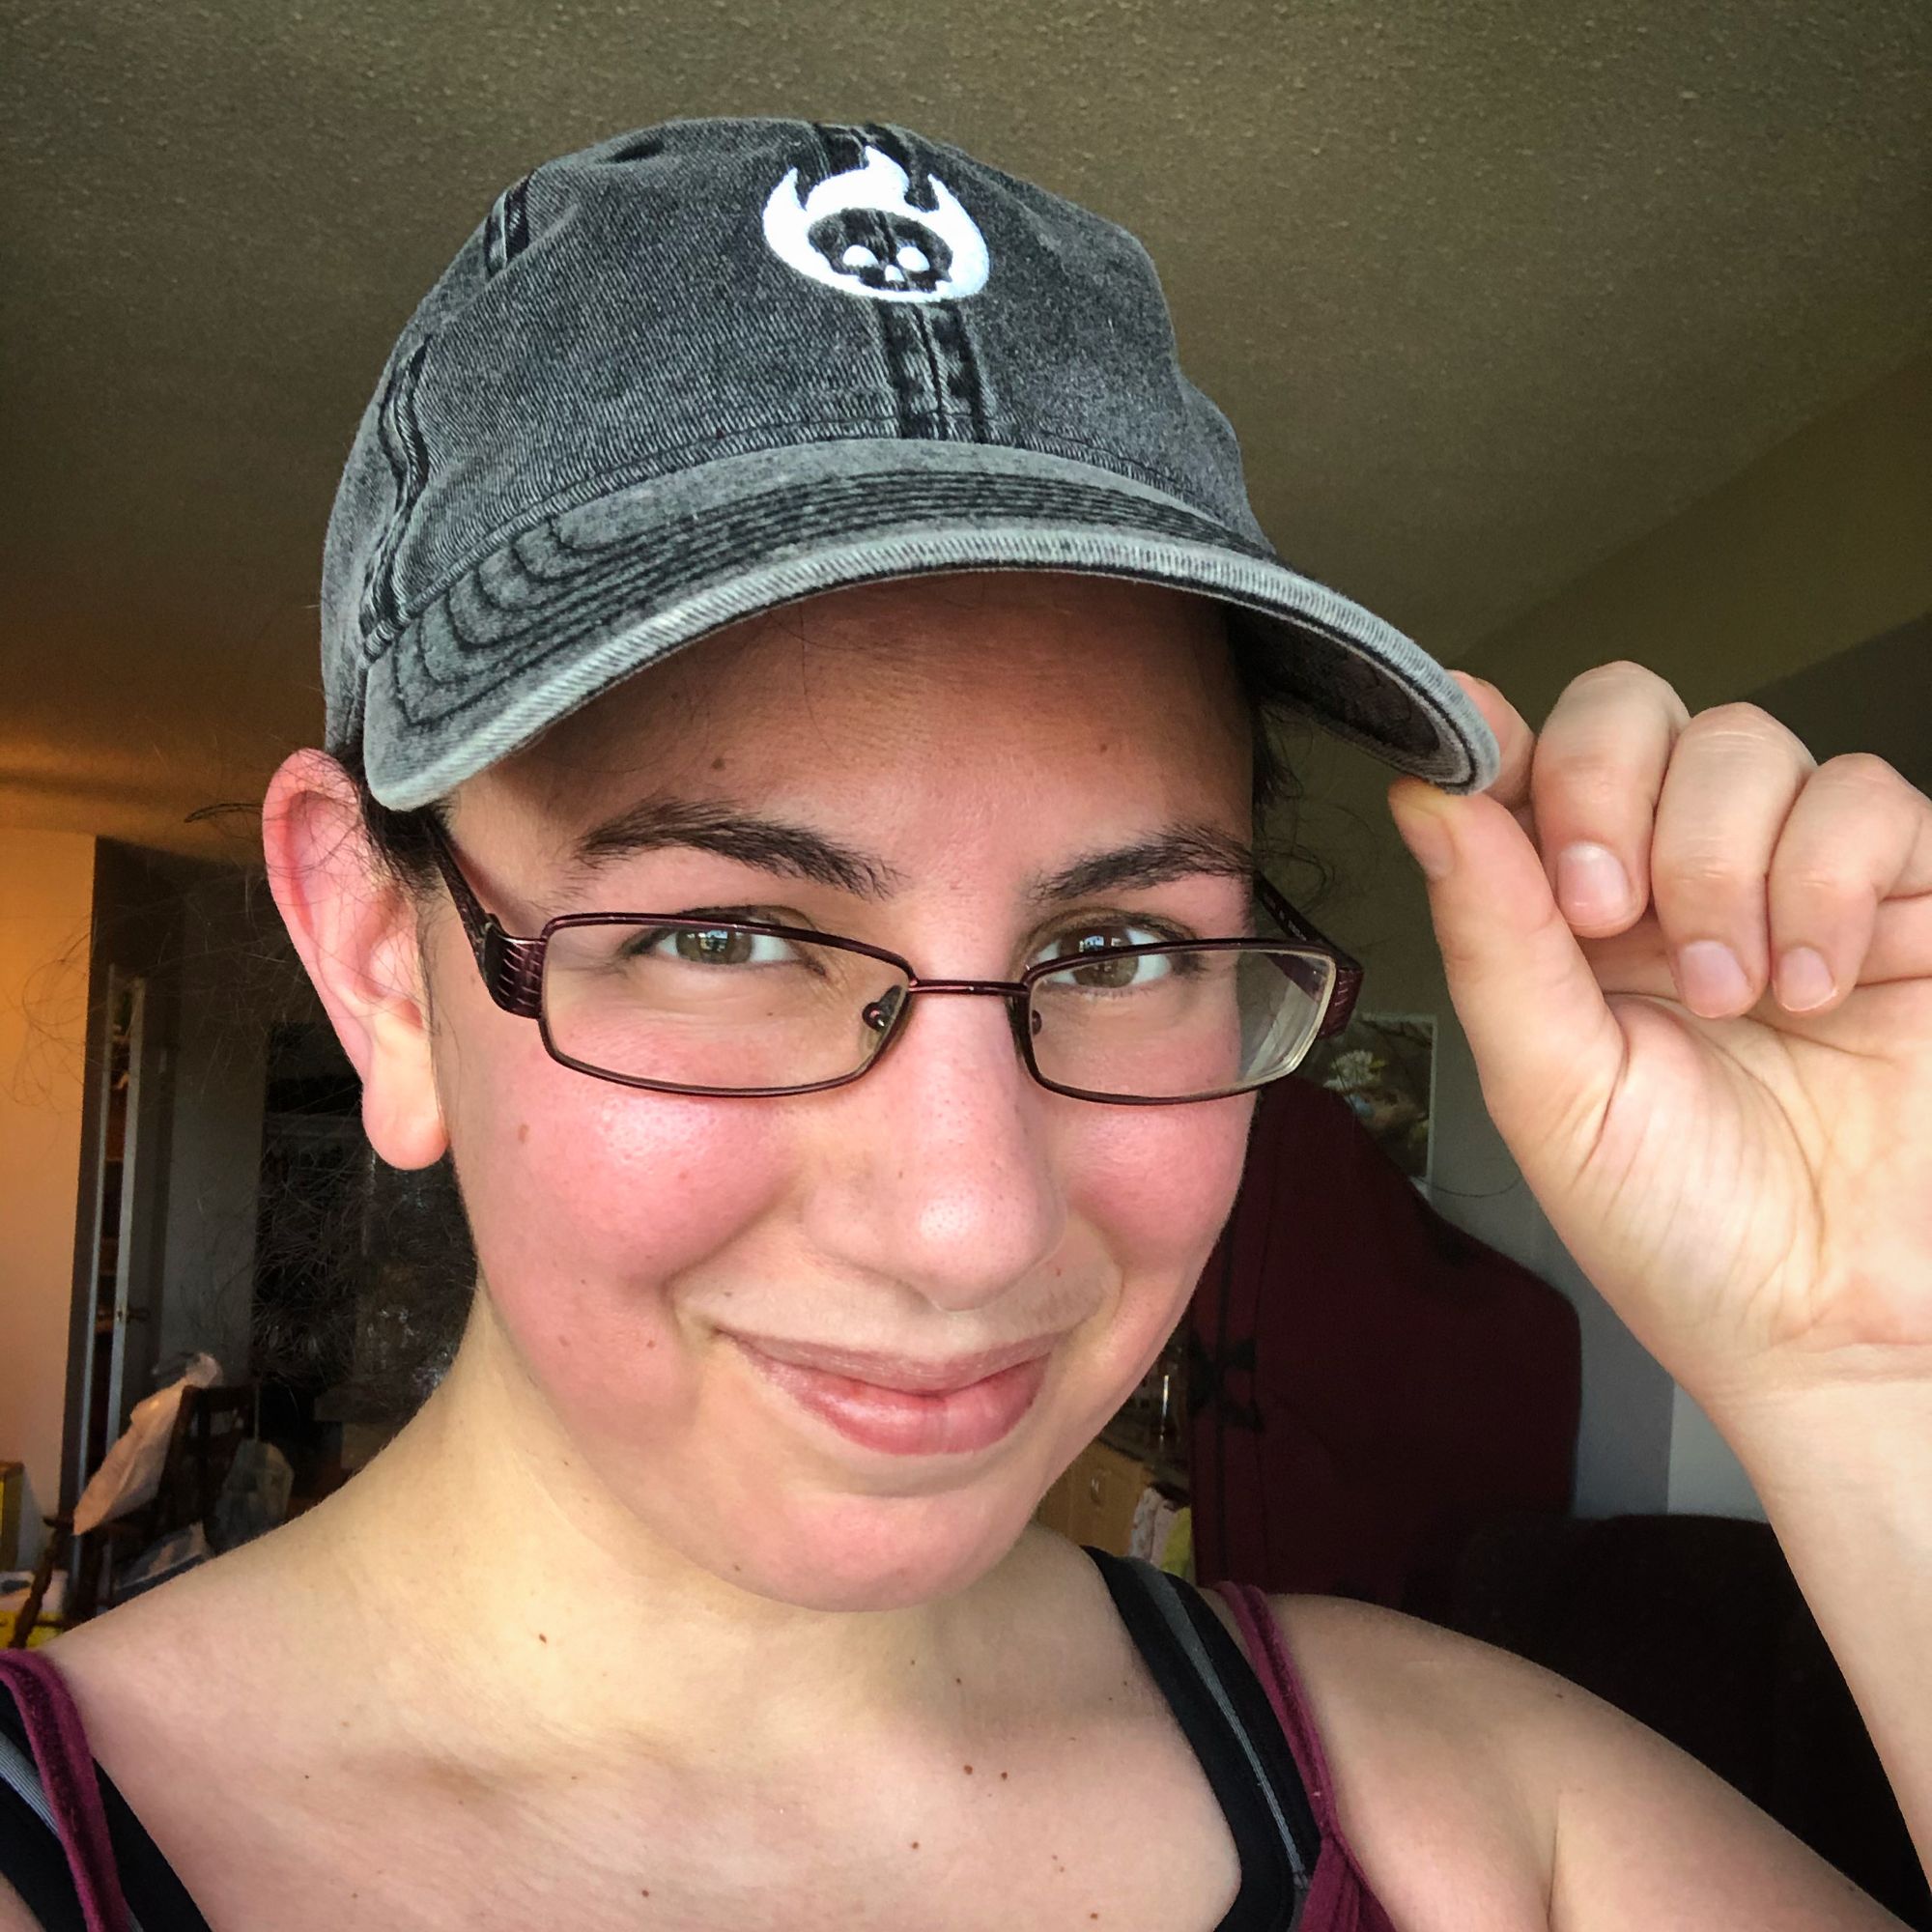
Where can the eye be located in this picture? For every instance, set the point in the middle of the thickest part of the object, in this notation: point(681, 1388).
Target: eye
point(1094, 943)
point(720, 947)
point(711, 945)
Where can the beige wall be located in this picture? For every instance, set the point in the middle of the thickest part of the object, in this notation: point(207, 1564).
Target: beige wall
point(46, 885)
point(1821, 544)
point(1810, 552)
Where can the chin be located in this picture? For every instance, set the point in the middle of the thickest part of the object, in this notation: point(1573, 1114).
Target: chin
point(878, 1552)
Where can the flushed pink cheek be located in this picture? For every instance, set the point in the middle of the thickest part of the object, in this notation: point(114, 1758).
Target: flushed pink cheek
point(582, 1222)
point(1158, 1187)
point(1161, 1181)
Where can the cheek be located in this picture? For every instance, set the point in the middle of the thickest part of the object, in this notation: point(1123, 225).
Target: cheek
point(586, 1199)
point(1156, 1185)
point(1158, 1182)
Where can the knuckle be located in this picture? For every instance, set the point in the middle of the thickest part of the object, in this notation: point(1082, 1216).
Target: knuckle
point(1589, 776)
point(1629, 673)
point(1864, 771)
point(1704, 874)
point(1817, 884)
point(1616, 671)
point(1740, 720)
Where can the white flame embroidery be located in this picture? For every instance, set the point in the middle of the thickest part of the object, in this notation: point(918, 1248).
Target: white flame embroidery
point(881, 183)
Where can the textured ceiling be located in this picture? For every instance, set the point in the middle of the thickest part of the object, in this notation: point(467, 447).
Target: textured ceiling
point(1488, 289)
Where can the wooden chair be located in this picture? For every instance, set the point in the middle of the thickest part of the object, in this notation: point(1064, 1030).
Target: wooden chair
point(209, 1426)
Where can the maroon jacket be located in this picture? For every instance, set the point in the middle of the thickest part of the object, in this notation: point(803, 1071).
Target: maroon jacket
point(1368, 1383)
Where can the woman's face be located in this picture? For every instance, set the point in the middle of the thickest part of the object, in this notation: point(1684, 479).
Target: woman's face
point(954, 743)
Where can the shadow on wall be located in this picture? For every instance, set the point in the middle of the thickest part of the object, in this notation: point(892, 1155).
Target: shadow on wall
point(1876, 697)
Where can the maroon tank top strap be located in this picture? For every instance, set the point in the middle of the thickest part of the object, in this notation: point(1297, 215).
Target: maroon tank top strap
point(1279, 1677)
point(66, 1764)
point(1340, 1898)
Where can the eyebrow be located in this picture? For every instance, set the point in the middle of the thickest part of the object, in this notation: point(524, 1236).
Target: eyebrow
point(772, 844)
point(1176, 852)
point(798, 851)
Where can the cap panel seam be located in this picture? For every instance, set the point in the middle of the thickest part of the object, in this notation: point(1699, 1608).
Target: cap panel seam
point(379, 613)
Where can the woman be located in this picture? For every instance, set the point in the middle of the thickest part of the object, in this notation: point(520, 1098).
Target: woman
point(791, 1008)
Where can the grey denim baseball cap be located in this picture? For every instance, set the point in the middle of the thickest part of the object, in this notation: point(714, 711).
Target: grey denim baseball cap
point(710, 367)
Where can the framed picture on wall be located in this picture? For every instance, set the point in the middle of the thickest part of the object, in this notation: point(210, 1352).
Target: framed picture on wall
point(1383, 1064)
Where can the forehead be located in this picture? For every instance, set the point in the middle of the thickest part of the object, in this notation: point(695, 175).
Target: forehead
point(933, 683)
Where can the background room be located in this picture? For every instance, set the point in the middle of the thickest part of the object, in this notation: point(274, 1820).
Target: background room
point(1557, 335)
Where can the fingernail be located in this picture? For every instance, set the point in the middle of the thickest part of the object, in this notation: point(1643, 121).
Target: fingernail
point(1591, 883)
point(1804, 981)
point(1711, 980)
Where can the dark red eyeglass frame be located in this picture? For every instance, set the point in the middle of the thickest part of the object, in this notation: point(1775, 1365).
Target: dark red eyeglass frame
point(512, 969)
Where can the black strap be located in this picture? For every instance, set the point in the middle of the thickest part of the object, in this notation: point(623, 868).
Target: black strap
point(34, 1863)
point(1255, 1783)
point(32, 1860)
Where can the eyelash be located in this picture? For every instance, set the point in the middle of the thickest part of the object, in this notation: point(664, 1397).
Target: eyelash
point(1161, 929)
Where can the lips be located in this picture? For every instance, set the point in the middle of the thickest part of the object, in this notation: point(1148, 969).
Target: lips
point(956, 1417)
point(902, 1372)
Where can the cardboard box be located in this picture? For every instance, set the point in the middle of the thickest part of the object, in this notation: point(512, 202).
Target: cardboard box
point(1093, 1501)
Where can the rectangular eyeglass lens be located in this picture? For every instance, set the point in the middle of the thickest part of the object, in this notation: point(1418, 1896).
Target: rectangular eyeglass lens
point(1179, 1022)
point(692, 1005)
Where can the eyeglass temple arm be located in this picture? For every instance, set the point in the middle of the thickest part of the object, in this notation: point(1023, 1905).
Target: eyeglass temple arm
point(1348, 969)
point(512, 968)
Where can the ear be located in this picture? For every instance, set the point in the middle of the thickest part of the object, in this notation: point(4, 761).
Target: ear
point(354, 926)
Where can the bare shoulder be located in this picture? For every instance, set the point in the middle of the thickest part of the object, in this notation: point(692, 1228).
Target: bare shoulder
point(14, 1914)
point(1464, 1773)
point(172, 1685)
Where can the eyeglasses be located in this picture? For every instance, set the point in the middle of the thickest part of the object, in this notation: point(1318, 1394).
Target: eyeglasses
point(723, 1008)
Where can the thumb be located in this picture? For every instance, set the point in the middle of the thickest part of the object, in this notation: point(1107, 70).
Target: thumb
point(1546, 1045)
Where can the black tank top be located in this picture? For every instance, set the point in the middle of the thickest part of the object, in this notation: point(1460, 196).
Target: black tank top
point(1216, 1696)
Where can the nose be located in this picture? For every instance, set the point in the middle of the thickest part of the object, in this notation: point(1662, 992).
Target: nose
point(938, 1168)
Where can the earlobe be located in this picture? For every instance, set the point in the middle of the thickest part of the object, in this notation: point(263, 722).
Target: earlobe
point(354, 924)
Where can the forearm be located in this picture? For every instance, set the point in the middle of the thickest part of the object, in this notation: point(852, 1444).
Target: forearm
point(1845, 1476)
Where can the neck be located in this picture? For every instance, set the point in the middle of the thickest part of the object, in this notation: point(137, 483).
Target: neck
point(515, 1611)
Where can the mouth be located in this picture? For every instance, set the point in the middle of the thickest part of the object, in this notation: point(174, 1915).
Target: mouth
point(904, 1406)
point(908, 1375)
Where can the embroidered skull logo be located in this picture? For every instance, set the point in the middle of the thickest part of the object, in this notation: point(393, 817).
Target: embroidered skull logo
point(858, 232)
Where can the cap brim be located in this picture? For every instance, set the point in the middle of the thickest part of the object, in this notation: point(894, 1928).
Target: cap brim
point(559, 613)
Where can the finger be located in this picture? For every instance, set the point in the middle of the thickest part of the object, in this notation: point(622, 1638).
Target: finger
point(1600, 759)
point(1547, 1046)
point(1733, 778)
point(1515, 748)
point(1899, 954)
point(1857, 837)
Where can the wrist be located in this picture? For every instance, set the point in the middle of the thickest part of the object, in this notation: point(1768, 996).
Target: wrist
point(1846, 1440)
point(1801, 1387)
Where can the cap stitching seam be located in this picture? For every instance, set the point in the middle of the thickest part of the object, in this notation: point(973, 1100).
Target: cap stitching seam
point(1310, 620)
point(604, 483)
point(579, 584)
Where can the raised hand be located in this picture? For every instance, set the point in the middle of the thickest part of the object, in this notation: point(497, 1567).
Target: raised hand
point(1716, 1077)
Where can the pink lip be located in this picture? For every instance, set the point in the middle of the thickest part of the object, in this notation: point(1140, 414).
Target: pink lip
point(905, 1372)
point(950, 1409)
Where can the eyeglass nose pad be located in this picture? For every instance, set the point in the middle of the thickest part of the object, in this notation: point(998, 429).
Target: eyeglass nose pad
point(880, 1014)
